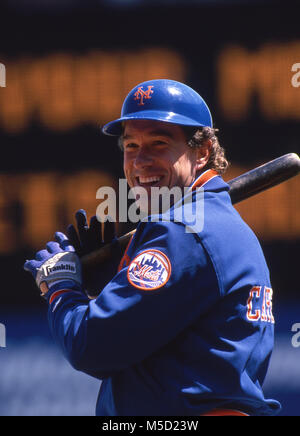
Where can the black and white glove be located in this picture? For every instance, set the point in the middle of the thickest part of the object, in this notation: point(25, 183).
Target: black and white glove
point(57, 265)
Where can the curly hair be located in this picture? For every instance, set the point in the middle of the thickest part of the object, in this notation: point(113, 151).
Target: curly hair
point(197, 137)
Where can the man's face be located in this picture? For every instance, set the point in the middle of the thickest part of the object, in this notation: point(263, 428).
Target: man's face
point(156, 154)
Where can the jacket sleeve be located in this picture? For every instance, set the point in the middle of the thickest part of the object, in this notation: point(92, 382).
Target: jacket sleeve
point(168, 283)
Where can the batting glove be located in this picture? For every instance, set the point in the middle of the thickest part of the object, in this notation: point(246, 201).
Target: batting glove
point(58, 263)
point(88, 238)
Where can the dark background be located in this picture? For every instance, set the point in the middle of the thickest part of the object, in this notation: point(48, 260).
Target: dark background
point(198, 31)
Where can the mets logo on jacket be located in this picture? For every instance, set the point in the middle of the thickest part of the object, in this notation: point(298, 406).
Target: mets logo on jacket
point(150, 270)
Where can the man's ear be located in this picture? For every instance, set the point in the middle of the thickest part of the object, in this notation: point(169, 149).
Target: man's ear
point(203, 154)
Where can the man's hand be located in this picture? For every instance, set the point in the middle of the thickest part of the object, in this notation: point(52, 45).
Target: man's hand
point(57, 263)
point(88, 238)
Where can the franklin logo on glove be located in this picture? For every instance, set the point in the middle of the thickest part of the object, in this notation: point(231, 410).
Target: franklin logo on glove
point(56, 264)
point(59, 266)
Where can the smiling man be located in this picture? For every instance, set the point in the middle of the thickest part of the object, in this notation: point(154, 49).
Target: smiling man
point(185, 325)
point(156, 155)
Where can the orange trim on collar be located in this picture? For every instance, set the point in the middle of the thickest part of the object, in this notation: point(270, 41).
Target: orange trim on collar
point(204, 178)
point(224, 412)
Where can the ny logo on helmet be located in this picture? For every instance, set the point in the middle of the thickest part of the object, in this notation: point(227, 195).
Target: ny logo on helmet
point(140, 94)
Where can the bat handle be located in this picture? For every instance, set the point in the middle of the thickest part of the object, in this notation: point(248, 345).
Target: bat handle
point(105, 253)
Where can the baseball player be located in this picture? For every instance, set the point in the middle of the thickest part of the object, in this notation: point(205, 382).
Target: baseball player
point(185, 325)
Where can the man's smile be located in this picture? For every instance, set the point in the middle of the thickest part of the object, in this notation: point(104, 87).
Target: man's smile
point(148, 181)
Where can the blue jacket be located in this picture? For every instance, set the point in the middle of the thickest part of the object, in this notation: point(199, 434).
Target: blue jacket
point(185, 326)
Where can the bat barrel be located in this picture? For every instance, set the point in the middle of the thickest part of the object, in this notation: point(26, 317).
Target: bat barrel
point(264, 177)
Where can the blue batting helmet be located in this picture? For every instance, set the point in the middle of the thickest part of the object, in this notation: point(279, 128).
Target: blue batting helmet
point(162, 100)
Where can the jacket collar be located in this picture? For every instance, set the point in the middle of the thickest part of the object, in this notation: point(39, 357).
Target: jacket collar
point(204, 178)
point(211, 181)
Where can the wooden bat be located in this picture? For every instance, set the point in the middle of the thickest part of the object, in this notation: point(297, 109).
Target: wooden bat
point(242, 187)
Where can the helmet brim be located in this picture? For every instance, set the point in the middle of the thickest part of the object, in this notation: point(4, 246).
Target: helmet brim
point(114, 128)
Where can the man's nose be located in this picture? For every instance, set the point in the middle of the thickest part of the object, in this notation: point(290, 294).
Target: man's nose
point(143, 158)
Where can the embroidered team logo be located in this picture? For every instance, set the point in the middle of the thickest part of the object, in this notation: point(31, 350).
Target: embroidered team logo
point(142, 95)
point(150, 270)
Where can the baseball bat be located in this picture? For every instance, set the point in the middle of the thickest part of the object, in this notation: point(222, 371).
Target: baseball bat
point(240, 188)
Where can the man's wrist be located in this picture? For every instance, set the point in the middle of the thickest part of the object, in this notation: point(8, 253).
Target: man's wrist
point(59, 285)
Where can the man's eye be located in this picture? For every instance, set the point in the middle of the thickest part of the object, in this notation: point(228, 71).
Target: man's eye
point(129, 146)
point(159, 143)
